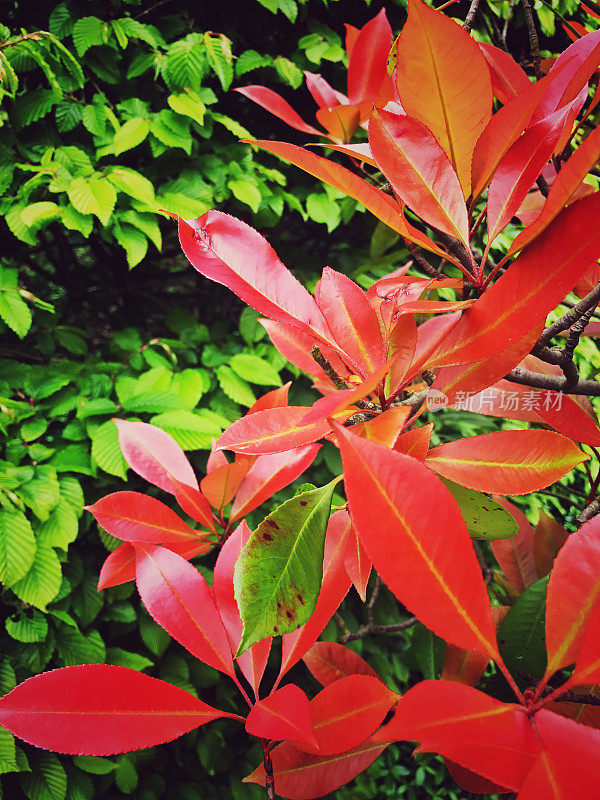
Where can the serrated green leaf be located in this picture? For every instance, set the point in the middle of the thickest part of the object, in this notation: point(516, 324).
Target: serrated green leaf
point(321, 209)
point(246, 192)
point(41, 583)
point(521, 634)
point(288, 71)
point(130, 135)
point(76, 648)
point(88, 32)
point(132, 183)
point(71, 492)
point(106, 451)
point(190, 385)
point(255, 370)
point(190, 431)
point(278, 574)
point(173, 131)
point(153, 402)
point(15, 312)
point(126, 777)
point(38, 212)
point(250, 60)
point(72, 458)
point(218, 49)
point(94, 119)
point(8, 679)
point(147, 223)
point(188, 104)
point(185, 64)
point(133, 241)
point(485, 518)
point(95, 765)
point(93, 196)
point(32, 106)
point(76, 221)
point(17, 546)
point(61, 22)
point(68, 115)
point(28, 629)
point(60, 529)
point(184, 206)
point(232, 125)
point(235, 387)
point(33, 428)
point(8, 755)
point(123, 658)
point(41, 494)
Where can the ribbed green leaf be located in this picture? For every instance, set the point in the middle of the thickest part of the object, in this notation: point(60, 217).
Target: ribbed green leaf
point(28, 628)
point(8, 755)
point(93, 196)
point(41, 584)
point(76, 648)
point(47, 781)
point(106, 451)
point(190, 431)
point(17, 546)
point(188, 104)
point(132, 183)
point(61, 527)
point(255, 370)
point(15, 312)
point(235, 387)
point(185, 64)
point(88, 32)
point(133, 241)
point(129, 135)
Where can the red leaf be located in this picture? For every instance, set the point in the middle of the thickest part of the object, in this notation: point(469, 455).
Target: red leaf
point(334, 588)
point(506, 462)
point(333, 404)
point(340, 122)
point(352, 320)
point(329, 661)
point(100, 710)
point(548, 537)
point(402, 343)
point(444, 82)
point(529, 289)
point(253, 661)
point(135, 517)
point(508, 78)
point(284, 716)
point(463, 666)
point(275, 104)
point(347, 711)
point(587, 668)
point(573, 591)
point(229, 252)
point(296, 346)
point(399, 529)
point(154, 455)
point(515, 555)
point(276, 398)
point(471, 781)
point(220, 486)
point(178, 599)
point(415, 443)
point(268, 475)
point(476, 731)
point(374, 200)
point(118, 568)
point(322, 93)
point(419, 172)
point(385, 427)
point(193, 502)
point(357, 562)
point(272, 431)
point(300, 776)
point(367, 65)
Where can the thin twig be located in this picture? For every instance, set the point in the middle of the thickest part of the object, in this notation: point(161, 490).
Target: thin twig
point(589, 511)
point(553, 383)
point(591, 300)
point(269, 778)
point(374, 630)
point(470, 18)
point(507, 19)
point(534, 44)
point(420, 259)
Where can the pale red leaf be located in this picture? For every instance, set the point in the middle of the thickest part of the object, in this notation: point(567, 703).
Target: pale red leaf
point(178, 599)
point(508, 78)
point(548, 537)
point(322, 93)
point(415, 443)
point(515, 555)
point(360, 152)
point(431, 337)
point(340, 122)
point(330, 661)
point(399, 530)
point(444, 82)
point(275, 104)
point(419, 171)
point(220, 486)
point(154, 455)
point(357, 562)
point(272, 431)
point(367, 66)
point(100, 710)
point(193, 502)
point(285, 715)
point(506, 462)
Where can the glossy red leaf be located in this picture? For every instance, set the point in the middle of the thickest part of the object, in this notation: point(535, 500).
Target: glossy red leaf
point(463, 666)
point(334, 588)
point(573, 591)
point(285, 715)
point(431, 337)
point(268, 475)
point(380, 204)
point(253, 661)
point(402, 344)
point(178, 599)
point(515, 555)
point(587, 667)
point(330, 661)
point(444, 82)
point(352, 320)
point(136, 517)
point(227, 251)
point(220, 486)
point(357, 562)
point(118, 568)
point(301, 776)
point(419, 171)
point(275, 104)
point(529, 289)
point(367, 65)
point(476, 731)
point(340, 122)
point(272, 431)
point(506, 462)
point(296, 346)
point(508, 78)
point(334, 403)
point(100, 710)
point(548, 537)
point(276, 398)
point(154, 455)
point(193, 502)
point(441, 585)
point(385, 427)
point(415, 443)
point(322, 93)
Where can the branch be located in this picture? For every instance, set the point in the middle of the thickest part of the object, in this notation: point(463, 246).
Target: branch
point(553, 383)
point(327, 368)
point(374, 630)
point(589, 512)
point(591, 300)
point(420, 259)
point(470, 18)
point(269, 779)
point(534, 44)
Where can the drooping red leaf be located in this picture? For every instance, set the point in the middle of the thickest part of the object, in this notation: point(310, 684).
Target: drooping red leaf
point(275, 104)
point(322, 93)
point(253, 661)
point(506, 462)
point(444, 82)
point(515, 555)
point(529, 289)
point(415, 443)
point(476, 731)
point(276, 398)
point(348, 711)
point(220, 486)
point(573, 591)
point(419, 171)
point(136, 517)
point(100, 710)
point(340, 122)
point(374, 200)
point(296, 346)
point(178, 599)
point(301, 776)
point(508, 78)
point(334, 588)
point(367, 66)
point(442, 586)
point(357, 562)
point(548, 537)
point(330, 661)
point(154, 455)
point(402, 343)
point(352, 320)
point(193, 502)
point(285, 715)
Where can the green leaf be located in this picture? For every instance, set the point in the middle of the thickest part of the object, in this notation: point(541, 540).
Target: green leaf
point(8, 679)
point(235, 387)
point(41, 494)
point(251, 60)
point(232, 125)
point(190, 385)
point(93, 196)
point(146, 223)
point(123, 658)
point(94, 119)
point(133, 241)
point(95, 765)
point(33, 428)
point(76, 221)
point(72, 458)
point(106, 451)
point(252, 331)
point(132, 183)
point(68, 115)
point(61, 22)
point(17, 226)
point(15, 312)
point(38, 212)
point(152, 402)
point(188, 104)
point(288, 71)
point(485, 518)
point(28, 629)
point(183, 206)
point(41, 584)
point(218, 49)
point(521, 634)
point(190, 431)
point(71, 492)
point(278, 574)
point(32, 106)
point(129, 135)
point(185, 64)
point(321, 209)
point(255, 370)
point(246, 192)
point(173, 131)
point(89, 32)
point(60, 529)
point(126, 776)
point(8, 755)
point(76, 648)
point(17, 546)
